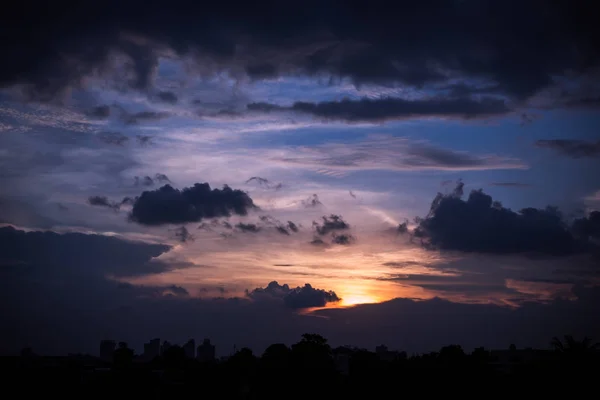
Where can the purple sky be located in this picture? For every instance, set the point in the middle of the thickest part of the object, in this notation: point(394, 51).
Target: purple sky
point(303, 120)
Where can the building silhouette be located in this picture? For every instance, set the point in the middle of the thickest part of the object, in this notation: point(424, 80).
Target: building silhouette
point(107, 349)
point(206, 351)
point(165, 346)
point(190, 349)
point(152, 349)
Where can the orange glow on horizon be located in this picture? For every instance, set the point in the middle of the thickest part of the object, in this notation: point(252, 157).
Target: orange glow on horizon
point(354, 299)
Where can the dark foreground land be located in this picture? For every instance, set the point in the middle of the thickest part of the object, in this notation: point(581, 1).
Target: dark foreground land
point(312, 369)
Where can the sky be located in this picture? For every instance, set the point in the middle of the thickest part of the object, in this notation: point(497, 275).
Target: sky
point(417, 176)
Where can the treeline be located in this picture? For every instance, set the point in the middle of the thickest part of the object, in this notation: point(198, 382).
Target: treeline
point(312, 369)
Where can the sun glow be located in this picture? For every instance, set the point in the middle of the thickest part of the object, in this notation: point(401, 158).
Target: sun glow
point(354, 299)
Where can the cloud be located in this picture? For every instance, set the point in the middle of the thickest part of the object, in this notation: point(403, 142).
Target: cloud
point(330, 224)
point(148, 181)
point(366, 48)
point(144, 140)
point(343, 239)
point(300, 297)
point(571, 147)
point(183, 235)
point(143, 116)
point(177, 290)
point(386, 109)
point(588, 227)
point(62, 255)
point(102, 201)
point(167, 205)
point(101, 112)
point(265, 183)
point(19, 211)
point(115, 138)
point(393, 153)
point(167, 97)
point(145, 181)
point(252, 228)
point(512, 184)
point(480, 224)
point(312, 201)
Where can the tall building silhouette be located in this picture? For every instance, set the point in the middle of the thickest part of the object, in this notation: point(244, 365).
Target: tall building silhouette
point(152, 349)
point(165, 346)
point(107, 349)
point(190, 348)
point(206, 351)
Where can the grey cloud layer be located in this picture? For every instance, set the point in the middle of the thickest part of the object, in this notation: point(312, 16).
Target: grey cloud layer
point(386, 109)
point(516, 55)
point(571, 147)
point(394, 154)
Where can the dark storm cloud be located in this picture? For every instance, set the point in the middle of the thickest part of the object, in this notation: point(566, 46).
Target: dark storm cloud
point(167, 97)
point(571, 147)
point(79, 254)
point(167, 205)
point(115, 138)
point(101, 112)
point(518, 54)
point(380, 110)
point(300, 297)
point(143, 116)
point(588, 227)
point(480, 224)
point(102, 201)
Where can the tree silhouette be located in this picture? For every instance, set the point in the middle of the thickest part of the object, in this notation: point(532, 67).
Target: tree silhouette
point(572, 346)
point(276, 354)
point(123, 356)
point(313, 363)
point(174, 357)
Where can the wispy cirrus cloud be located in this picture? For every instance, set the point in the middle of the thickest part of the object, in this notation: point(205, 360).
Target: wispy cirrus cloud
point(512, 184)
point(391, 108)
point(571, 147)
point(391, 153)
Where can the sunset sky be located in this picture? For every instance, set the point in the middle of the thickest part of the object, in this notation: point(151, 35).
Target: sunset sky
point(323, 131)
